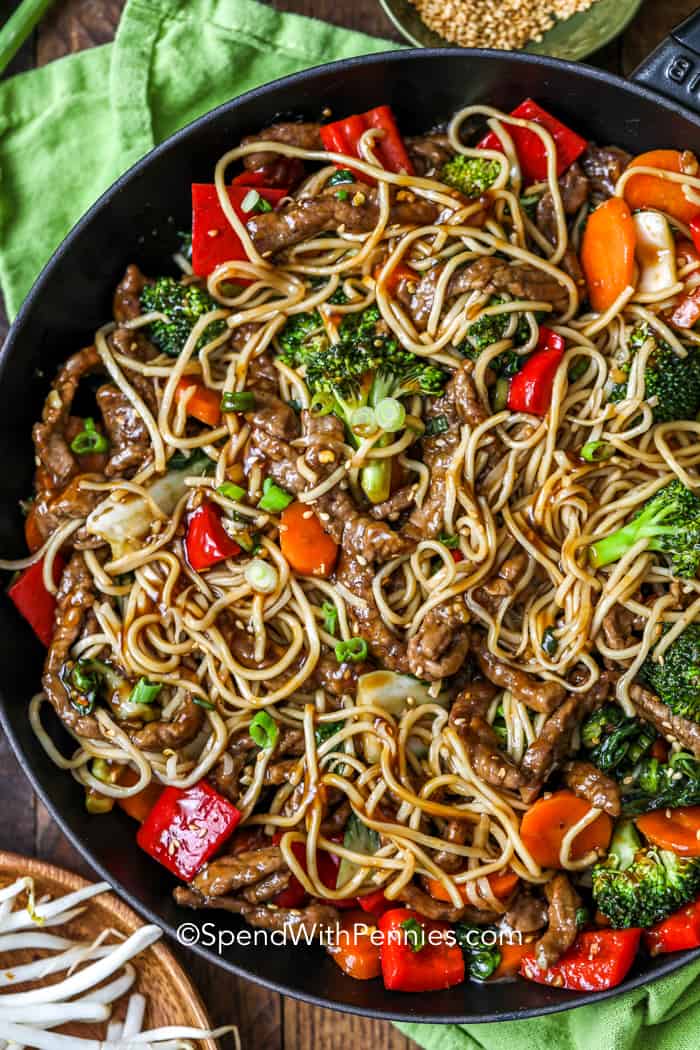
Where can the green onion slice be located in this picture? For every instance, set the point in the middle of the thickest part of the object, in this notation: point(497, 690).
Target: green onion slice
point(597, 451)
point(550, 642)
point(144, 692)
point(363, 421)
point(204, 703)
point(264, 730)
point(329, 612)
point(231, 491)
point(354, 649)
point(274, 498)
point(261, 576)
point(390, 414)
point(500, 396)
point(238, 401)
point(343, 175)
point(322, 404)
point(415, 935)
point(89, 439)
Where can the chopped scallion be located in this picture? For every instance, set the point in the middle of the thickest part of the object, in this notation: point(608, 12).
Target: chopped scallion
point(363, 421)
point(144, 692)
point(230, 491)
point(330, 617)
point(390, 414)
point(597, 451)
point(354, 650)
point(274, 498)
point(261, 576)
point(238, 401)
point(264, 730)
point(89, 439)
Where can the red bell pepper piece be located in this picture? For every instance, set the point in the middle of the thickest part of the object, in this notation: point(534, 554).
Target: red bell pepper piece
point(32, 599)
point(207, 542)
point(598, 959)
point(327, 863)
point(343, 136)
point(375, 903)
point(529, 146)
point(214, 241)
point(694, 226)
point(186, 827)
point(549, 340)
point(531, 388)
point(438, 964)
point(687, 313)
point(677, 932)
point(457, 556)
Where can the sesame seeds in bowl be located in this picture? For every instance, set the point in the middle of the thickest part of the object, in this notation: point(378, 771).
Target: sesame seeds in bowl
point(569, 29)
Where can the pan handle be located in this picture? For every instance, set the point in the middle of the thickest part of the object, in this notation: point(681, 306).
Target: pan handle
point(673, 69)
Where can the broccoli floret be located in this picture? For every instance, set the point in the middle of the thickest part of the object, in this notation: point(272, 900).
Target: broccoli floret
point(615, 742)
point(669, 521)
point(672, 380)
point(490, 329)
point(662, 785)
point(364, 367)
point(676, 678)
point(470, 175)
point(183, 305)
point(638, 886)
point(302, 335)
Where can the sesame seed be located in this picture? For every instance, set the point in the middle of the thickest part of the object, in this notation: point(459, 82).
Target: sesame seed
point(502, 24)
point(212, 233)
point(326, 456)
point(362, 560)
point(308, 514)
point(359, 199)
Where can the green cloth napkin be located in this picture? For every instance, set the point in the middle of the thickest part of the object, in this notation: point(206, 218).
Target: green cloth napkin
point(66, 132)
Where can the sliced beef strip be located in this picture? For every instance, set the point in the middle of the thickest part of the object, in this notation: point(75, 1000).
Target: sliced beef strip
point(267, 888)
point(574, 187)
point(654, 710)
point(183, 728)
point(53, 509)
point(277, 170)
point(527, 913)
point(553, 744)
point(468, 717)
point(459, 404)
point(314, 920)
point(129, 440)
point(392, 509)
point(504, 583)
point(457, 832)
point(617, 628)
point(414, 897)
point(588, 782)
point(562, 928)
point(227, 874)
point(492, 275)
point(274, 425)
point(428, 153)
point(76, 595)
point(127, 296)
point(603, 165)
point(52, 448)
point(305, 218)
point(439, 647)
point(533, 692)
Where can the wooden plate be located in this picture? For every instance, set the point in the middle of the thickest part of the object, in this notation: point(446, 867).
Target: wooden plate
point(171, 998)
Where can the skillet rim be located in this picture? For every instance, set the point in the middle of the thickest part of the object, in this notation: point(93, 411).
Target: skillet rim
point(391, 1013)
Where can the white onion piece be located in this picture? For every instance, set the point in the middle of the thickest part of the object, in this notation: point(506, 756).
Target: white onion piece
point(655, 252)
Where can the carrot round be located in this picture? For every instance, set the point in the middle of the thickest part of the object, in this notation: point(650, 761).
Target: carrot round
point(511, 957)
point(502, 885)
point(305, 544)
point(204, 404)
point(653, 191)
point(607, 253)
point(674, 829)
point(138, 806)
point(544, 826)
point(352, 947)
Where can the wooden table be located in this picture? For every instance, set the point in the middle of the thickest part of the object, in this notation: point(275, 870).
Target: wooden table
point(266, 1020)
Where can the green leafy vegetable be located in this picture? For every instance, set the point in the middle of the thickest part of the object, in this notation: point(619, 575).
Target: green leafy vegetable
point(676, 678)
point(672, 380)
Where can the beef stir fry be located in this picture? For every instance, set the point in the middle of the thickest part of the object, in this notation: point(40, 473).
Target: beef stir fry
point(370, 586)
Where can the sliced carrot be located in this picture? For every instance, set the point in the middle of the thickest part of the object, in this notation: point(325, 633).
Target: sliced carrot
point(502, 885)
point(352, 947)
point(138, 806)
point(674, 829)
point(204, 404)
point(32, 533)
point(511, 957)
point(607, 253)
point(653, 191)
point(544, 826)
point(305, 544)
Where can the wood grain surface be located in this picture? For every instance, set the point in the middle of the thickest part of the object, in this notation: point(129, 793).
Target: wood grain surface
point(266, 1021)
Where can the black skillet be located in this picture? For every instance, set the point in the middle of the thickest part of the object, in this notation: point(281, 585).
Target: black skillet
point(137, 219)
